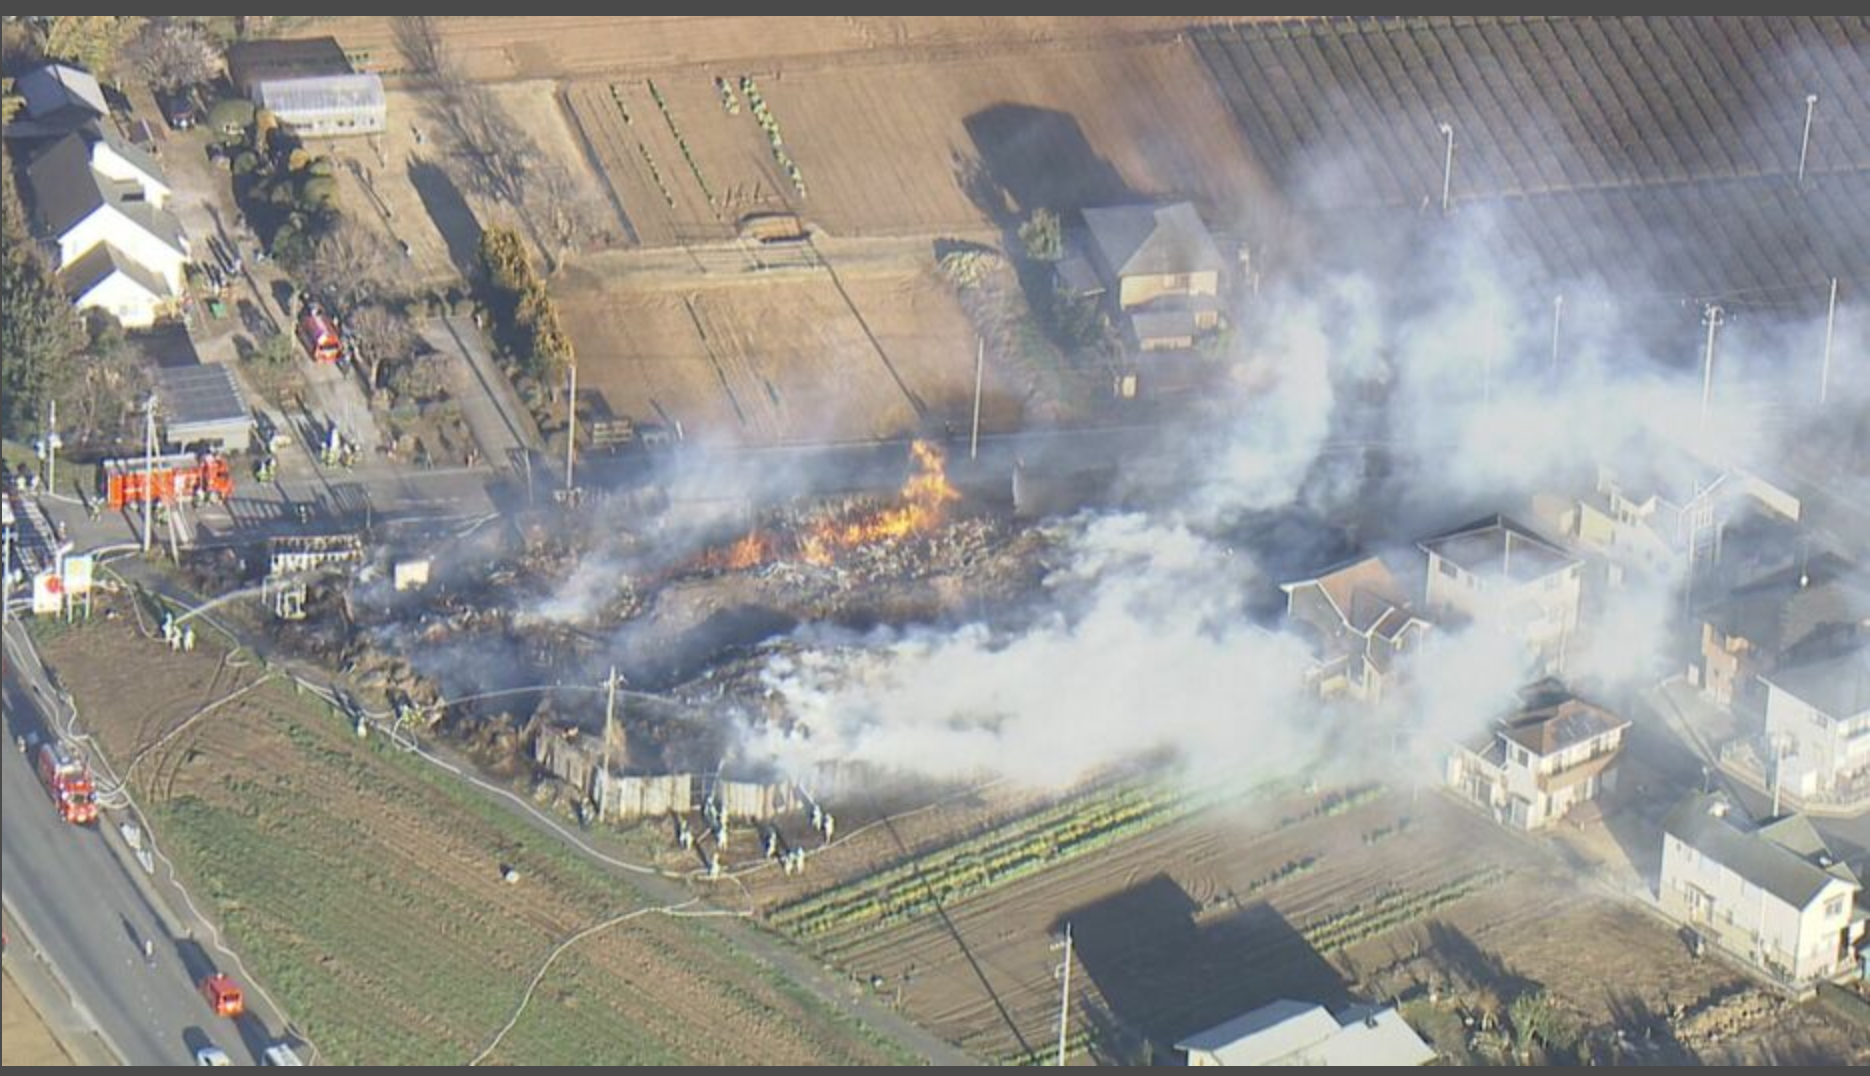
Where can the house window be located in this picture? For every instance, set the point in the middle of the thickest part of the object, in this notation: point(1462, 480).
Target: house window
point(1449, 570)
point(1835, 909)
point(1181, 282)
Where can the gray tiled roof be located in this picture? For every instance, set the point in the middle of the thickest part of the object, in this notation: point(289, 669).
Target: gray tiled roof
point(1834, 680)
point(1150, 240)
point(1779, 858)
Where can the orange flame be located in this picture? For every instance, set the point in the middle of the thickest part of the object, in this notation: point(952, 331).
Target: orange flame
point(923, 507)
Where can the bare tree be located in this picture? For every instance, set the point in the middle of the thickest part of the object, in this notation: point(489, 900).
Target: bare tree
point(354, 266)
point(420, 41)
point(172, 53)
point(422, 376)
point(384, 338)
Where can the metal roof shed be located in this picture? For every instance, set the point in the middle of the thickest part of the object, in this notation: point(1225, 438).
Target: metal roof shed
point(204, 405)
point(329, 106)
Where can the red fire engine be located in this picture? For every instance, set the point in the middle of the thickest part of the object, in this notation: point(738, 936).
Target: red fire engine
point(224, 996)
point(169, 479)
point(69, 784)
point(318, 332)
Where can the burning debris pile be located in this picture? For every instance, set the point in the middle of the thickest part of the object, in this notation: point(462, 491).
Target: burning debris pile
point(921, 510)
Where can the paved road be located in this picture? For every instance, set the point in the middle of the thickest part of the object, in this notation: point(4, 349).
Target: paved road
point(500, 421)
point(78, 907)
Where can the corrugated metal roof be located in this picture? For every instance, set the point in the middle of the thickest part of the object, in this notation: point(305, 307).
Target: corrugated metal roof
point(332, 94)
point(1291, 1033)
point(195, 396)
point(252, 62)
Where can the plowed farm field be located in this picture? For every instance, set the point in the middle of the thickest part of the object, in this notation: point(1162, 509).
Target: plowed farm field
point(882, 349)
point(925, 147)
point(1186, 921)
point(365, 889)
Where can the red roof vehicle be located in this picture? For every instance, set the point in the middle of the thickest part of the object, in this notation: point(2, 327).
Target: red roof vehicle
point(318, 332)
point(167, 479)
point(224, 996)
point(68, 782)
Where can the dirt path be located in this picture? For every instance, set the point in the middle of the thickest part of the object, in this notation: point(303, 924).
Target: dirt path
point(506, 47)
point(24, 1037)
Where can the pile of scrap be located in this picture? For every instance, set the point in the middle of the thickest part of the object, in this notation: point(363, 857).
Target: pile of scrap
point(1726, 1020)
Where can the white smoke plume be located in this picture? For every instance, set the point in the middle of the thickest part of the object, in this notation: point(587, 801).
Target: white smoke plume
point(1147, 647)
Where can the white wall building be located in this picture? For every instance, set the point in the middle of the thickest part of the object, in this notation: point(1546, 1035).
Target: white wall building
point(1555, 754)
point(1770, 895)
point(104, 205)
point(1818, 718)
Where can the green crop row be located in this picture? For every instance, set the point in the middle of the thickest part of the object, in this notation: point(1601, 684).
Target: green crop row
point(1065, 831)
point(1394, 909)
point(675, 131)
point(730, 101)
point(768, 123)
point(649, 159)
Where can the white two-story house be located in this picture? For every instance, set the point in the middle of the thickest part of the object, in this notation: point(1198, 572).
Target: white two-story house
point(103, 204)
point(1818, 717)
point(1771, 895)
point(1554, 754)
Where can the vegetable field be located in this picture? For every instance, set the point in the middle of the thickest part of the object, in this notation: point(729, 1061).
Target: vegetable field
point(364, 889)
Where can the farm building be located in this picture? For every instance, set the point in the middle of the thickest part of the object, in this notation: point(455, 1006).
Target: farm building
point(203, 406)
point(1556, 753)
point(1771, 895)
point(1163, 268)
point(310, 85)
point(251, 64)
point(1501, 573)
point(103, 204)
point(1361, 622)
point(1294, 1034)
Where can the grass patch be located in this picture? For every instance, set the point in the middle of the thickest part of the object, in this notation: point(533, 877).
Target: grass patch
point(355, 880)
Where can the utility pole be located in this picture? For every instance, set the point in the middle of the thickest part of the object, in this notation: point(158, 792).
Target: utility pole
point(1558, 324)
point(1447, 170)
point(1831, 332)
point(1805, 143)
point(980, 375)
point(1714, 319)
point(610, 733)
point(1064, 1001)
point(149, 473)
point(6, 576)
point(52, 444)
